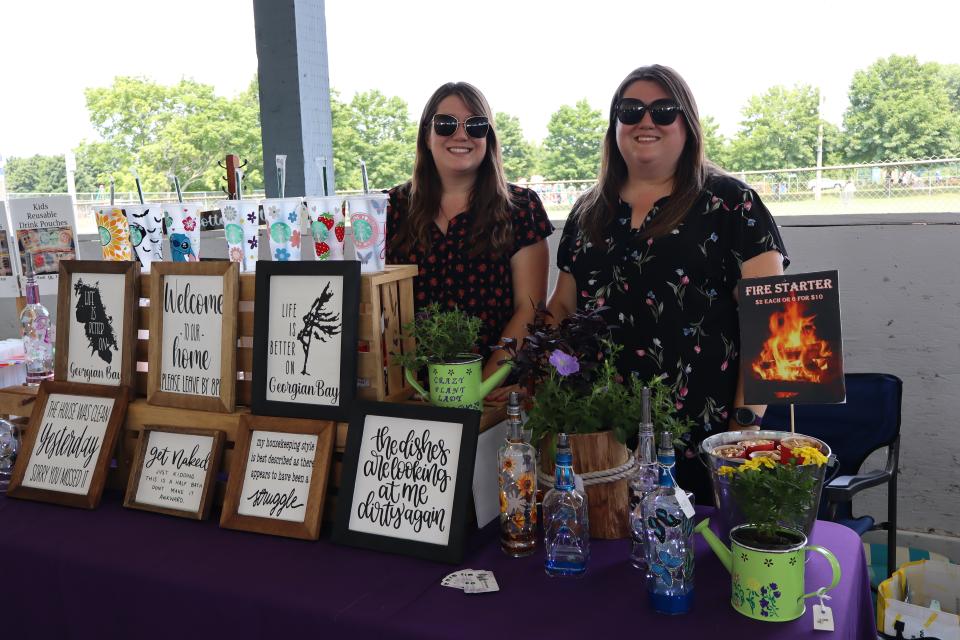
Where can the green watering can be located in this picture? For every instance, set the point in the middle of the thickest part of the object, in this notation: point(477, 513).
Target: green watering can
point(459, 384)
point(767, 583)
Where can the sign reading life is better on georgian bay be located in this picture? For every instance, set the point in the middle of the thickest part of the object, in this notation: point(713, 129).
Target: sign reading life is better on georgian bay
point(277, 479)
point(405, 479)
point(67, 448)
point(192, 322)
point(96, 331)
point(304, 339)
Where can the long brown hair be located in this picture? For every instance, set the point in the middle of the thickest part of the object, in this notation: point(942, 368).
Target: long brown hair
point(489, 200)
point(597, 208)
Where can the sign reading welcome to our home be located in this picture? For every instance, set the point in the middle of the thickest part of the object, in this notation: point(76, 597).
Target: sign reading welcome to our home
point(407, 473)
point(279, 476)
point(174, 471)
point(95, 322)
point(305, 337)
point(193, 335)
point(69, 443)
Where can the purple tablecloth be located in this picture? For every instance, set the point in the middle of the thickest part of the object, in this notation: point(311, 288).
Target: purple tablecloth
point(114, 572)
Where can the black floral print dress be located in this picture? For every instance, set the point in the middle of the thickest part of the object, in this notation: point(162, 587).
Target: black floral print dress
point(671, 299)
point(481, 285)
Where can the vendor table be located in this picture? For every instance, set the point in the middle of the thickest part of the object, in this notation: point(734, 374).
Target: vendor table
point(114, 572)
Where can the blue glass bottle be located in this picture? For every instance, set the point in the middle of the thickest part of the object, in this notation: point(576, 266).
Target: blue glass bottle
point(566, 529)
point(669, 540)
point(644, 480)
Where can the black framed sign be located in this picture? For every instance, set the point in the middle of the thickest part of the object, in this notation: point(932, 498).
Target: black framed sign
point(407, 478)
point(305, 339)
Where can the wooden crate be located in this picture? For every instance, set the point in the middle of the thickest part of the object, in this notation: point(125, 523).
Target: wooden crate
point(386, 304)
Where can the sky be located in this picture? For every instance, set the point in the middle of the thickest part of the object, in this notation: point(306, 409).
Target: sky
point(527, 56)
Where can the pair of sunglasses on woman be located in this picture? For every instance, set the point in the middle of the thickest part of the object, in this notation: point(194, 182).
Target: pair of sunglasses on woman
point(629, 111)
point(446, 125)
point(662, 112)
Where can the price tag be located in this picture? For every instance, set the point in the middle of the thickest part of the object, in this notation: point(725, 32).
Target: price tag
point(685, 505)
point(822, 618)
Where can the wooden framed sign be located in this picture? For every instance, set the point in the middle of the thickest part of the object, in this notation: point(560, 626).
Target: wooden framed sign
point(193, 335)
point(305, 339)
point(407, 477)
point(174, 471)
point(69, 443)
point(96, 321)
point(278, 478)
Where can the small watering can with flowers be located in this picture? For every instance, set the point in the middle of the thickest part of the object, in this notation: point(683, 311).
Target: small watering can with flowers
point(765, 558)
point(444, 344)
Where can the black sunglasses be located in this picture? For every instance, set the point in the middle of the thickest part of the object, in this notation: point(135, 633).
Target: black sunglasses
point(662, 112)
point(446, 125)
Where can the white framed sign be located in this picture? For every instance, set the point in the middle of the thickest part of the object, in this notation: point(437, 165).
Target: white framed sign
point(96, 322)
point(305, 337)
point(69, 443)
point(46, 229)
point(279, 476)
point(407, 478)
point(174, 471)
point(193, 335)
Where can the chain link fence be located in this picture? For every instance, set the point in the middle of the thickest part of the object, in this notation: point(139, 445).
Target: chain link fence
point(930, 185)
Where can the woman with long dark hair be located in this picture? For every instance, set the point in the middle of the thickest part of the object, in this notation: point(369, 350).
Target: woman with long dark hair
point(479, 241)
point(660, 243)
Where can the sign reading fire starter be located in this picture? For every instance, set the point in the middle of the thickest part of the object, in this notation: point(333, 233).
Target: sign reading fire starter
point(791, 350)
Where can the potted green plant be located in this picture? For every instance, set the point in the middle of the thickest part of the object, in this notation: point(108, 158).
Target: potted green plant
point(569, 370)
point(445, 342)
point(766, 558)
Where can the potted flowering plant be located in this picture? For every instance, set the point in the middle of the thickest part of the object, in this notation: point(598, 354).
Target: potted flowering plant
point(767, 556)
point(569, 370)
point(445, 343)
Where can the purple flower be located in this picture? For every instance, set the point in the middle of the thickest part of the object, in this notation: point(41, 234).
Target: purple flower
point(777, 594)
point(252, 242)
point(773, 585)
point(764, 603)
point(252, 217)
point(563, 363)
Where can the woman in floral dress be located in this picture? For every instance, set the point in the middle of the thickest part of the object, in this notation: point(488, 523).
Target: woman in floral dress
point(478, 241)
point(659, 244)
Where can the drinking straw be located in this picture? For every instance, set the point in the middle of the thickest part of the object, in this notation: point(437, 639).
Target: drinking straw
point(112, 195)
point(363, 172)
point(136, 178)
point(238, 173)
point(176, 185)
point(281, 174)
point(322, 165)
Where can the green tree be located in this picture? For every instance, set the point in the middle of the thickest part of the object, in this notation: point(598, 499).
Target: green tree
point(160, 131)
point(376, 129)
point(900, 108)
point(36, 174)
point(951, 76)
point(517, 153)
point(572, 145)
point(715, 144)
point(779, 130)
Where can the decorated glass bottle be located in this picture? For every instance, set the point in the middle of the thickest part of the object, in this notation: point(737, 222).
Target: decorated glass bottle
point(566, 529)
point(642, 482)
point(669, 539)
point(36, 331)
point(518, 487)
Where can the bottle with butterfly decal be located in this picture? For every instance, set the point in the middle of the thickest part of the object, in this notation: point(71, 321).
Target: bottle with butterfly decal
point(668, 517)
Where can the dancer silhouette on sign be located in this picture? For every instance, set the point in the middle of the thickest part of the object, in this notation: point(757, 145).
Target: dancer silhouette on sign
point(318, 324)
